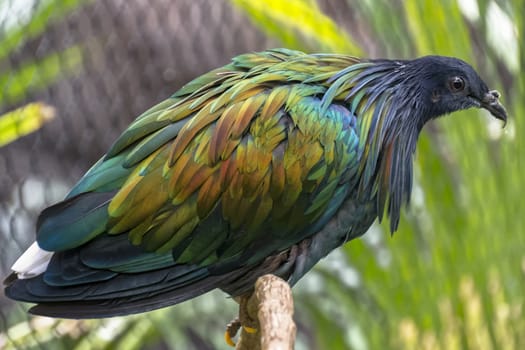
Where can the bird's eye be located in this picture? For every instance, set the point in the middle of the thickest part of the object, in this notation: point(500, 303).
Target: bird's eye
point(456, 84)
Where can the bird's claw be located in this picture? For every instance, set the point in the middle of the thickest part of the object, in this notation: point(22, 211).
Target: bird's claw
point(233, 328)
point(250, 329)
point(243, 320)
point(231, 331)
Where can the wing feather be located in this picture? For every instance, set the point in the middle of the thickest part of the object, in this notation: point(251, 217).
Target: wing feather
point(242, 162)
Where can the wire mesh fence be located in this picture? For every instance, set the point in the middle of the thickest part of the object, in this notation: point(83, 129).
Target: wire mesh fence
point(133, 54)
point(99, 64)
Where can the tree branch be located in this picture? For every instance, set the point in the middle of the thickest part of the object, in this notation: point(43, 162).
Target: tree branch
point(270, 310)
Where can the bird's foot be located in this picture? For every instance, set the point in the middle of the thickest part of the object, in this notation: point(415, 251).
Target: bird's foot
point(248, 324)
point(231, 331)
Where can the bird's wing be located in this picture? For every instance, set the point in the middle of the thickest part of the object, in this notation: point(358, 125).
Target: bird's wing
point(239, 158)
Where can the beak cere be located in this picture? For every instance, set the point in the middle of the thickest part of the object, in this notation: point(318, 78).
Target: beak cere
point(491, 103)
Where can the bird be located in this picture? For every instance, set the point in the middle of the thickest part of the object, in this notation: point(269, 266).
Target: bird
point(264, 165)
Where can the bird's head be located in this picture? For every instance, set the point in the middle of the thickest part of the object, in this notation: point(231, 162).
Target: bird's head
point(449, 84)
point(401, 97)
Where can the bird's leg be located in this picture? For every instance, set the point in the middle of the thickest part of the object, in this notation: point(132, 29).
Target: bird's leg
point(244, 319)
point(246, 309)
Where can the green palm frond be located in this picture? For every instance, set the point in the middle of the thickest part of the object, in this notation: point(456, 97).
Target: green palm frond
point(23, 121)
point(462, 236)
point(299, 24)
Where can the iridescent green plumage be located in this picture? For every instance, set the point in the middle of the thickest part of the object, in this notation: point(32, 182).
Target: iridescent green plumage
point(264, 165)
point(252, 138)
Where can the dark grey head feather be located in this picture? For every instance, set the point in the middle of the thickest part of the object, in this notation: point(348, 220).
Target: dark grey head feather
point(401, 96)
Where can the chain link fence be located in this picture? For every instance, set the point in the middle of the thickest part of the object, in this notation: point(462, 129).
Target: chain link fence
point(127, 55)
point(134, 54)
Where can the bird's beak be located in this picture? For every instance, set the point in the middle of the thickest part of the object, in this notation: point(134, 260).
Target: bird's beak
point(491, 103)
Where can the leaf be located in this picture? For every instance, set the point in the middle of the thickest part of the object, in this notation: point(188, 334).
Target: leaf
point(44, 13)
point(39, 74)
point(428, 22)
point(23, 121)
point(299, 24)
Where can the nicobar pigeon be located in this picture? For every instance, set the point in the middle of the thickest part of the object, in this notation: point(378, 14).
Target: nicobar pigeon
point(262, 166)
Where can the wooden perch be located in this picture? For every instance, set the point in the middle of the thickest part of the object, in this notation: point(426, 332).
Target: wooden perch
point(270, 310)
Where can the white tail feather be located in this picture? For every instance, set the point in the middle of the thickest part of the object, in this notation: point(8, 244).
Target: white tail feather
point(33, 262)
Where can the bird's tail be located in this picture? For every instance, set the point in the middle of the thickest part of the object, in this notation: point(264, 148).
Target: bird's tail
point(90, 274)
point(82, 302)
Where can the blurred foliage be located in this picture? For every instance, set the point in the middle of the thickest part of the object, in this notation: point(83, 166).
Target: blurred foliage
point(37, 22)
point(298, 24)
point(453, 276)
point(39, 74)
point(23, 121)
point(42, 72)
point(32, 75)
